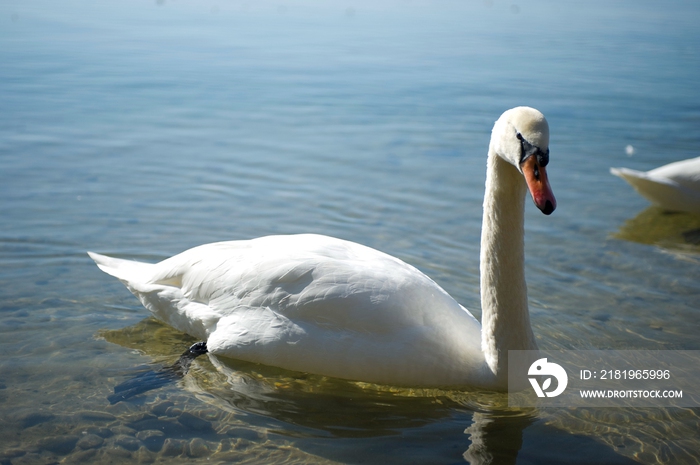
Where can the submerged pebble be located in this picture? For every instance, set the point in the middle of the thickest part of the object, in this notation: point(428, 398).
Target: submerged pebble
point(127, 442)
point(61, 445)
point(173, 447)
point(27, 420)
point(161, 408)
point(198, 448)
point(144, 456)
point(173, 411)
point(89, 441)
point(152, 439)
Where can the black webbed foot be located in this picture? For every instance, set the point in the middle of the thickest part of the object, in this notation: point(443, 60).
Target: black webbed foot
point(198, 348)
point(153, 379)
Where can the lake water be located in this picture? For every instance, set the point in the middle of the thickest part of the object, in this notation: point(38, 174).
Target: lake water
point(143, 128)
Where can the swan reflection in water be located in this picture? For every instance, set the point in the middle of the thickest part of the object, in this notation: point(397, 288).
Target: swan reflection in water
point(678, 231)
point(344, 420)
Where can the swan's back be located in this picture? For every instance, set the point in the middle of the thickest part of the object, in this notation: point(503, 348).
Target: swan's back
point(685, 173)
point(675, 186)
point(315, 304)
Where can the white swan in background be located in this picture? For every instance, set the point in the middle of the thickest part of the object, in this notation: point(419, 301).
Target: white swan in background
point(675, 186)
point(322, 305)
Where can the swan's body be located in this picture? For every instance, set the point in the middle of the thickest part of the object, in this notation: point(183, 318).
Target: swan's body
point(310, 303)
point(323, 305)
point(674, 187)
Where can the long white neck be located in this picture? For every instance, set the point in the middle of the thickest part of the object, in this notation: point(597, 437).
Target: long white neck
point(505, 321)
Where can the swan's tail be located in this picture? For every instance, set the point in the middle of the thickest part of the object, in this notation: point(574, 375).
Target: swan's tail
point(640, 180)
point(160, 292)
point(127, 271)
point(631, 176)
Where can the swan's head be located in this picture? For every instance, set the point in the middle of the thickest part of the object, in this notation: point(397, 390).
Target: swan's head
point(521, 137)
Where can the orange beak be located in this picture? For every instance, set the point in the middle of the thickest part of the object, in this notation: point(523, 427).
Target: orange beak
point(536, 179)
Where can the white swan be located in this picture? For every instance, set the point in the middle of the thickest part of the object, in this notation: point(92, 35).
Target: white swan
point(322, 305)
point(675, 186)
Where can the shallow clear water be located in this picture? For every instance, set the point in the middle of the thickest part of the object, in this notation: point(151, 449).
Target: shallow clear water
point(144, 128)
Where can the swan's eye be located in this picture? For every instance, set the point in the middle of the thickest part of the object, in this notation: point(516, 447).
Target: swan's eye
point(527, 150)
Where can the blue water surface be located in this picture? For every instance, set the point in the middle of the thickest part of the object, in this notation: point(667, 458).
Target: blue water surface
point(142, 128)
